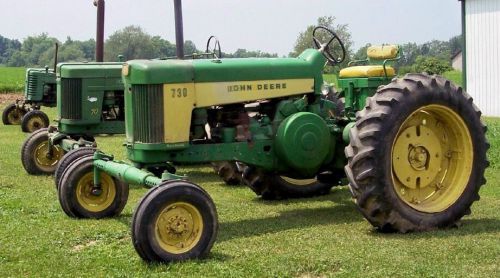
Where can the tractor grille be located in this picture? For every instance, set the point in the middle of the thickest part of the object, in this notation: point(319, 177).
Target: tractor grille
point(32, 85)
point(148, 113)
point(71, 98)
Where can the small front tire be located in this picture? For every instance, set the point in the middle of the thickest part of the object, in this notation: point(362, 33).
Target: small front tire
point(78, 196)
point(34, 120)
point(35, 154)
point(12, 115)
point(174, 221)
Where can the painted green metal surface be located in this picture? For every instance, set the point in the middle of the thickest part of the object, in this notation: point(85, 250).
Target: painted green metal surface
point(83, 91)
point(357, 90)
point(40, 85)
point(308, 65)
point(303, 142)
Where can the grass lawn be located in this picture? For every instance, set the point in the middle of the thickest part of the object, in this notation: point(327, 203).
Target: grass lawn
point(12, 79)
point(323, 236)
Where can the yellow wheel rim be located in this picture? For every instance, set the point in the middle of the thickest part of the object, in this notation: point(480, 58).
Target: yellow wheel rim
point(299, 182)
point(15, 117)
point(178, 227)
point(432, 158)
point(95, 202)
point(42, 158)
point(35, 123)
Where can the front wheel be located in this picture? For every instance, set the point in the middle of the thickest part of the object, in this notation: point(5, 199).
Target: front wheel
point(81, 198)
point(174, 221)
point(417, 155)
point(12, 115)
point(69, 158)
point(34, 120)
point(37, 156)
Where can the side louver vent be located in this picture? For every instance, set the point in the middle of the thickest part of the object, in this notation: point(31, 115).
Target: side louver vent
point(71, 98)
point(32, 84)
point(148, 113)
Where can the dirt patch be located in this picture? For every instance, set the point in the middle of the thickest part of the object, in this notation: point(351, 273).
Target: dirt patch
point(9, 98)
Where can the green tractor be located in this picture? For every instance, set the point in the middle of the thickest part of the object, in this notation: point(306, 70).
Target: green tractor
point(39, 90)
point(414, 153)
point(90, 101)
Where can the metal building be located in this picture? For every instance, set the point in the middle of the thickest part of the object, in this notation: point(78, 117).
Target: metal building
point(481, 27)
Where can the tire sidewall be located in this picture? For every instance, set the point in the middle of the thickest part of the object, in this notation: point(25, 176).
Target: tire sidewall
point(390, 127)
point(152, 204)
point(68, 187)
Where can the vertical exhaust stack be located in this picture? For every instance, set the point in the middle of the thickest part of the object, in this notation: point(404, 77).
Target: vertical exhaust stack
point(55, 56)
point(179, 33)
point(99, 42)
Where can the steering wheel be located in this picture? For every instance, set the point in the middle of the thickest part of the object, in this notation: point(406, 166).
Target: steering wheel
point(216, 47)
point(325, 49)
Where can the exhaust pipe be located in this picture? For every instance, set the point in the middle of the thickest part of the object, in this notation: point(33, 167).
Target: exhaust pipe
point(179, 35)
point(55, 56)
point(99, 42)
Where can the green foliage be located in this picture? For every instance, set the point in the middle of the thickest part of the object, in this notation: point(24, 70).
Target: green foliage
point(243, 53)
point(305, 40)
point(361, 53)
point(454, 76)
point(432, 65)
point(131, 42)
point(318, 237)
point(12, 79)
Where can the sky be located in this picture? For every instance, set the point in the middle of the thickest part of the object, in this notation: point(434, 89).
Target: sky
point(266, 25)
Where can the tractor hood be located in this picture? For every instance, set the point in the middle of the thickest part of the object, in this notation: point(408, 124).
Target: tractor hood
point(308, 65)
point(89, 70)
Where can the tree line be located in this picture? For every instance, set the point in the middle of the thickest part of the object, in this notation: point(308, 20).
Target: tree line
point(133, 43)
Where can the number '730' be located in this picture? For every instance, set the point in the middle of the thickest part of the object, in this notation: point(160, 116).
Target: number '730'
point(179, 92)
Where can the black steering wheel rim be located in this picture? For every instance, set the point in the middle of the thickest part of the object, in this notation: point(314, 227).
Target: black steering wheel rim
point(216, 51)
point(329, 55)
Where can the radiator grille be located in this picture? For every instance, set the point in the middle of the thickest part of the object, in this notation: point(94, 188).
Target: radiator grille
point(148, 113)
point(71, 98)
point(32, 84)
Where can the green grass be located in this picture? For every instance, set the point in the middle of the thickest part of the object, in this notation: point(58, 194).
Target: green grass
point(12, 79)
point(323, 236)
point(454, 76)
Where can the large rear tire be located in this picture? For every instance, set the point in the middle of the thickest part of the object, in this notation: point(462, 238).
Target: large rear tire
point(275, 187)
point(78, 197)
point(12, 115)
point(417, 155)
point(228, 171)
point(174, 221)
point(34, 120)
point(35, 154)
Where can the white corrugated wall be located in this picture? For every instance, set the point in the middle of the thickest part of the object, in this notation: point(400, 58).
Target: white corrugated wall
point(482, 20)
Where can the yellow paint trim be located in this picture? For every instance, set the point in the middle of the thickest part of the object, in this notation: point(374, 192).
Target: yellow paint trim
point(180, 99)
point(178, 103)
point(178, 228)
point(220, 93)
point(431, 168)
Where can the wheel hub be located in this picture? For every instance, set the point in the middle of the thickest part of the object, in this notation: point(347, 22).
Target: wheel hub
point(432, 158)
point(416, 157)
point(92, 198)
point(178, 227)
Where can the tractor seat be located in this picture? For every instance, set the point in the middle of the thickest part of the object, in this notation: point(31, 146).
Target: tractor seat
point(367, 71)
point(377, 57)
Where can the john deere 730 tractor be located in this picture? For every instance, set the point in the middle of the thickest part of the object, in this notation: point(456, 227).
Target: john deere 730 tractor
point(415, 151)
